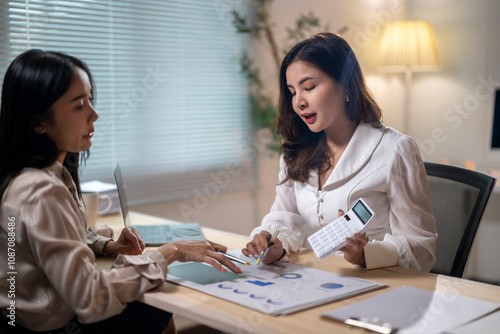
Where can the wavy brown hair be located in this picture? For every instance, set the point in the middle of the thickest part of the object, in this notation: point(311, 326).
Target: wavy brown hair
point(303, 149)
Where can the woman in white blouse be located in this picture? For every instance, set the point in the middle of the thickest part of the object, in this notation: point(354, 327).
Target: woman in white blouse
point(48, 281)
point(336, 150)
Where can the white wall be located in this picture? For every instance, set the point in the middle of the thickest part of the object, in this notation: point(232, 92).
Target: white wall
point(458, 100)
point(365, 20)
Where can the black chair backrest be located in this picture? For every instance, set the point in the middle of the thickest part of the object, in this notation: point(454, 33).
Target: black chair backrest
point(459, 197)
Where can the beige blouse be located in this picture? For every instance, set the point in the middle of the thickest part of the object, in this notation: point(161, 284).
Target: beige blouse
point(54, 272)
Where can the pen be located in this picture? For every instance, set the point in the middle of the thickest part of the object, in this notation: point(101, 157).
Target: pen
point(235, 259)
point(264, 252)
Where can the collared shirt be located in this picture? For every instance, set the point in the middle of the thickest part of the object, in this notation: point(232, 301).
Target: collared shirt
point(383, 167)
point(55, 276)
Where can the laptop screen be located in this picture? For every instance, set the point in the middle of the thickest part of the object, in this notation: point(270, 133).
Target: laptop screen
point(121, 195)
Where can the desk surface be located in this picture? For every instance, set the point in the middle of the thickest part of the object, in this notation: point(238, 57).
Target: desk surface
point(232, 318)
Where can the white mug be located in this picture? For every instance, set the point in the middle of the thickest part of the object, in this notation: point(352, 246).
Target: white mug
point(92, 202)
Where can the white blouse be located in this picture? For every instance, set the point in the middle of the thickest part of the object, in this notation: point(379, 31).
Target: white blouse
point(55, 274)
point(382, 166)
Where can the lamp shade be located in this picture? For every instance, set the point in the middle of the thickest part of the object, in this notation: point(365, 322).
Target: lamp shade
point(409, 45)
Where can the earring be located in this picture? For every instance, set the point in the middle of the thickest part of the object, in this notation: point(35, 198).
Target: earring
point(347, 98)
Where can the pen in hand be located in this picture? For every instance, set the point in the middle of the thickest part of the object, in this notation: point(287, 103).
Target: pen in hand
point(270, 243)
point(235, 259)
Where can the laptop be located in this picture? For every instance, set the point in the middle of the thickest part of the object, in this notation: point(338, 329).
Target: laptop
point(155, 235)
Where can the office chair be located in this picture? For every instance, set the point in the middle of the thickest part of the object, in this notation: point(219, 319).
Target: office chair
point(459, 197)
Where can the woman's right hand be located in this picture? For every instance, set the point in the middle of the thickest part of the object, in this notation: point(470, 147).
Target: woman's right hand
point(259, 243)
point(198, 251)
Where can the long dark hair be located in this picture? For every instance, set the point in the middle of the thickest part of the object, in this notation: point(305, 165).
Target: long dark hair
point(33, 82)
point(303, 149)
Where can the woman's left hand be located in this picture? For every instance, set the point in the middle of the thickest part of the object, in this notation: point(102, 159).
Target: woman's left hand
point(130, 242)
point(353, 250)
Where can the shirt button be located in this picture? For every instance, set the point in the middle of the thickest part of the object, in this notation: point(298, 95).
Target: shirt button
point(320, 216)
point(321, 200)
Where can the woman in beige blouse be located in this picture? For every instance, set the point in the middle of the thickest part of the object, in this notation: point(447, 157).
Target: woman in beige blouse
point(48, 281)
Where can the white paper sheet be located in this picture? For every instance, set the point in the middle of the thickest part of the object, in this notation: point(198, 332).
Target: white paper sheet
point(279, 288)
point(488, 324)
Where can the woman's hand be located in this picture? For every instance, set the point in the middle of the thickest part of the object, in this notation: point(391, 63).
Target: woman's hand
point(353, 250)
point(130, 242)
point(198, 251)
point(259, 243)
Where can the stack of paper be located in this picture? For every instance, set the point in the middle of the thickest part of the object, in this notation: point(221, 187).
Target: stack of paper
point(106, 189)
point(279, 288)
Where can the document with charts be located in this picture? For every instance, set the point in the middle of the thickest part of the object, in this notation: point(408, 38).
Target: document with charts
point(279, 288)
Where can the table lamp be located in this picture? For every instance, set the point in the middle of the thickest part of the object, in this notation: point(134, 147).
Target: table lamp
point(409, 46)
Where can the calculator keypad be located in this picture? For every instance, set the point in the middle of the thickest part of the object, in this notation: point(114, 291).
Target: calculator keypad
point(331, 237)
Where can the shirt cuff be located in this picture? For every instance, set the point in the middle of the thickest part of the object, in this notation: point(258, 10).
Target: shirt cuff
point(379, 254)
point(98, 244)
point(159, 259)
point(98, 237)
point(151, 264)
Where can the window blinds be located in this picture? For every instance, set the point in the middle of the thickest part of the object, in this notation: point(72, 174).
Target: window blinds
point(171, 99)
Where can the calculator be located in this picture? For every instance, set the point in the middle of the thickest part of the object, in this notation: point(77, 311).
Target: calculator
point(332, 237)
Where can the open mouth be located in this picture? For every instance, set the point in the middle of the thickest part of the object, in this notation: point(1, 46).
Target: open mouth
point(309, 118)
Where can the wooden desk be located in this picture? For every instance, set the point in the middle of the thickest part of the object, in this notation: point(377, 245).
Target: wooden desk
point(233, 318)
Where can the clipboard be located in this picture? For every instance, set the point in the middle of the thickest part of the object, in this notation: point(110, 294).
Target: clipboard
point(412, 310)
